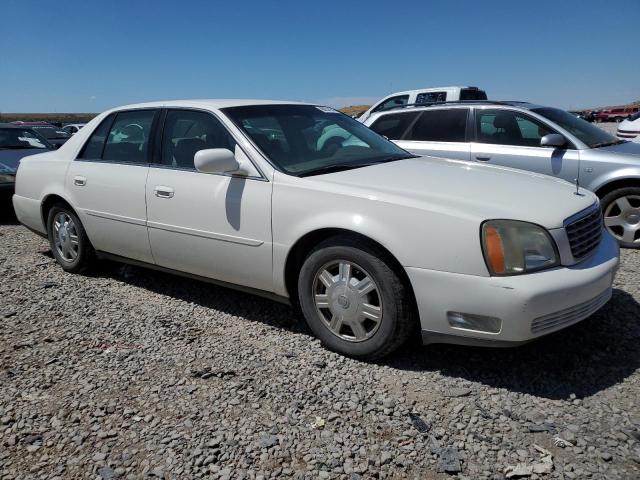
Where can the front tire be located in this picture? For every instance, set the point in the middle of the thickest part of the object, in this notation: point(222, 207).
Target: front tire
point(353, 300)
point(621, 210)
point(68, 240)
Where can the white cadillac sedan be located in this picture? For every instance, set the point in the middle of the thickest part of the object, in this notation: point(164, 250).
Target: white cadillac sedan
point(304, 204)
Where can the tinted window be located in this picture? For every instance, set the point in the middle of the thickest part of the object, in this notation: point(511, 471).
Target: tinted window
point(393, 125)
point(440, 126)
point(306, 140)
point(506, 127)
point(590, 134)
point(128, 139)
point(51, 133)
point(186, 132)
point(431, 97)
point(93, 148)
point(16, 139)
point(393, 102)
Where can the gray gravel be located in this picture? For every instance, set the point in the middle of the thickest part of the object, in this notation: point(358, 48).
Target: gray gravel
point(129, 373)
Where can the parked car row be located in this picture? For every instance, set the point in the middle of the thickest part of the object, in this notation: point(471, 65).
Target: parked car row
point(615, 114)
point(309, 206)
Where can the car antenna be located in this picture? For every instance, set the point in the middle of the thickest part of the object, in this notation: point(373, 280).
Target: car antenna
point(577, 192)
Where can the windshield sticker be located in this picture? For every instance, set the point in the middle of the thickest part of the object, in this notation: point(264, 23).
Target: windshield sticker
point(327, 109)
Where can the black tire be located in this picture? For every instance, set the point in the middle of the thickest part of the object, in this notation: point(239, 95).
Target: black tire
point(397, 321)
point(609, 200)
point(85, 253)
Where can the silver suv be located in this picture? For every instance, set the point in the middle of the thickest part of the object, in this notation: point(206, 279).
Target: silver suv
point(528, 137)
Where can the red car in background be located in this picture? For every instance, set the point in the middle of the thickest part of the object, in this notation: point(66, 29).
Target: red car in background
point(615, 114)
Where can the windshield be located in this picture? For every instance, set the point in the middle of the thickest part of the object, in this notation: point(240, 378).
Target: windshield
point(16, 138)
point(305, 139)
point(51, 133)
point(589, 134)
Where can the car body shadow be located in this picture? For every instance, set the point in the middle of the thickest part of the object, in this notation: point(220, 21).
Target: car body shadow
point(583, 359)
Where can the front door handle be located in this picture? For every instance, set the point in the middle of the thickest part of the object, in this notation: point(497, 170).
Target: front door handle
point(79, 181)
point(164, 192)
point(483, 158)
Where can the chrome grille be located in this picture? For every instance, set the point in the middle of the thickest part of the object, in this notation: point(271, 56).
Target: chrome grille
point(570, 315)
point(585, 233)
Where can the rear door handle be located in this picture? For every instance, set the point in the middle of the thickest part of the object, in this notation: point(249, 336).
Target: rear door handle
point(79, 181)
point(164, 192)
point(483, 158)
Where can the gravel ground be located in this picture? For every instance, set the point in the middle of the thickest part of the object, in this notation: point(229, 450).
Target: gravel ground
point(129, 373)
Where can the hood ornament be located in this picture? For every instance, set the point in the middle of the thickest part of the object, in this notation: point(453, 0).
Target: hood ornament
point(577, 192)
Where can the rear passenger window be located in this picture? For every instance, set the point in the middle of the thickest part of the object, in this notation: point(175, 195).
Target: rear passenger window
point(128, 139)
point(431, 97)
point(93, 148)
point(186, 132)
point(393, 126)
point(393, 102)
point(440, 126)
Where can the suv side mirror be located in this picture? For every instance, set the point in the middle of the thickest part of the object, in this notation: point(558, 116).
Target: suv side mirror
point(554, 140)
point(218, 160)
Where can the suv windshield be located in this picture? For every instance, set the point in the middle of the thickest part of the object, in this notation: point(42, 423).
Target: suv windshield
point(307, 140)
point(589, 134)
point(17, 138)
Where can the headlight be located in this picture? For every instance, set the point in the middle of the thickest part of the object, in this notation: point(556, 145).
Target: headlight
point(512, 247)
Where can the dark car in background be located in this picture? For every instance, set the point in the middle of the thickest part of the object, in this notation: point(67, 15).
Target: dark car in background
point(17, 142)
point(55, 135)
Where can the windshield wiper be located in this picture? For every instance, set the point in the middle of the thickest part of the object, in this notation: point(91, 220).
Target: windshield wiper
point(350, 166)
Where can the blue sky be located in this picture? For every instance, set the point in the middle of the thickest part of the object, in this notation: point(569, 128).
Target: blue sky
point(87, 56)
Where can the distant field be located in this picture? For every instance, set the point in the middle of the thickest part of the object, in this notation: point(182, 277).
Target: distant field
point(355, 109)
point(47, 117)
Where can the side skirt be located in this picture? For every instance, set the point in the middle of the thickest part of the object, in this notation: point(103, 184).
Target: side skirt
point(249, 290)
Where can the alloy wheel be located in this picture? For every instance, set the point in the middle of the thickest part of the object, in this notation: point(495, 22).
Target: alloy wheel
point(347, 300)
point(622, 218)
point(65, 237)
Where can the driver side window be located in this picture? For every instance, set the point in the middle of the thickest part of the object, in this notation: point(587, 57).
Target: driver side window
point(507, 127)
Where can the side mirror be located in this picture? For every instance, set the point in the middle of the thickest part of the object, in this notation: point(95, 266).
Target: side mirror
point(217, 160)
point(554, 140)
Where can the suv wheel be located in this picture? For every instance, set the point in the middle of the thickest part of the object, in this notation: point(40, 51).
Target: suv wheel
point(68, 240)
point(353, 301)
point(622, 215)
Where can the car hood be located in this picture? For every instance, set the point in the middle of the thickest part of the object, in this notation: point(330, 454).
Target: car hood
point(9, 159)
point(626, 148)
point(464, 189)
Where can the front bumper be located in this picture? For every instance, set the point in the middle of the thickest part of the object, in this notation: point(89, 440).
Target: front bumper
point(529, 306)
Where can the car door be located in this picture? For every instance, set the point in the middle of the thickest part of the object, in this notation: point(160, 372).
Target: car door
point(212, 225)
point(512, 139)
point(106, 183)
point(439, 133)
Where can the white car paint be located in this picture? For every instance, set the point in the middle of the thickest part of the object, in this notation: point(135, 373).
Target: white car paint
point(241, 230)
point(629, 129)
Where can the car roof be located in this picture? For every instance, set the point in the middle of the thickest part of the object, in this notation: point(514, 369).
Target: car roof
point(212, 103)
point(411, 107)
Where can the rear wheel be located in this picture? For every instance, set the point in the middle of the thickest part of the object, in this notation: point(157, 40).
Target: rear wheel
point(353, 300)
point(68, 240)
point(622, 215)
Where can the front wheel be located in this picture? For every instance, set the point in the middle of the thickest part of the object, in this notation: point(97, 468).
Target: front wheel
point(621, 210)
point(353, 300)
point(69, 242)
